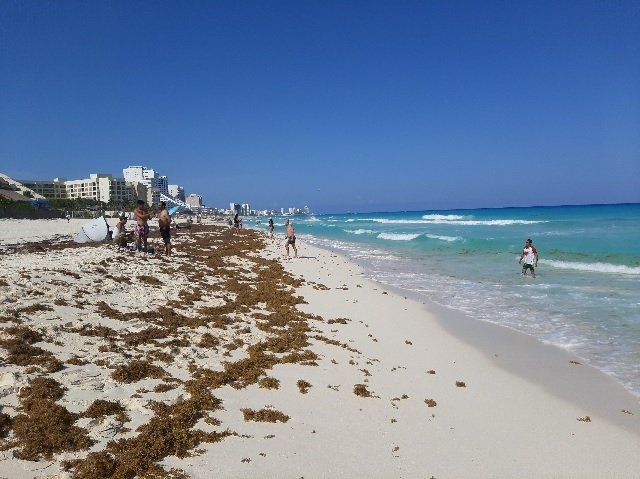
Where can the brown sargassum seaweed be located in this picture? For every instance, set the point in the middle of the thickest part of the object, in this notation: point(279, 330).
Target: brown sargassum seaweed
point(254, 294)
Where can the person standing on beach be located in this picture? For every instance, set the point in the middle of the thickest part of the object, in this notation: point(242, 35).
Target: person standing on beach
point(271, 226)
point(291, 239)
point(141, 215)
point(530, 257)
point(164, 223)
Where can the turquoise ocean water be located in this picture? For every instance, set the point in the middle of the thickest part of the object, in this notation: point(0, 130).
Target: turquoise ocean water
point(586, 297)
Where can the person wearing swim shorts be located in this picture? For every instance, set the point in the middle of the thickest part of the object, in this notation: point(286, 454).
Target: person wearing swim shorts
point(530, 257)
point(291, 239)
point(164, 223)
point(141, 215)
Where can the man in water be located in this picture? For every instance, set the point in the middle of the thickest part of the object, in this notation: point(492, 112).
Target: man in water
point(530, 257)
point(164, 223)
point(141, 216)
point(291, 239)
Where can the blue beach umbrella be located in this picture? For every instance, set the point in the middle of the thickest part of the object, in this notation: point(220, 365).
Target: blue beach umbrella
point(175, 209)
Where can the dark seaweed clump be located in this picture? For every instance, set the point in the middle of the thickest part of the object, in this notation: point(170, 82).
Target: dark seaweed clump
point(44, 427)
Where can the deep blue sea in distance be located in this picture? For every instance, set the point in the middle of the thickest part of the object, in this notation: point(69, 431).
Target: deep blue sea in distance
point(586, 297)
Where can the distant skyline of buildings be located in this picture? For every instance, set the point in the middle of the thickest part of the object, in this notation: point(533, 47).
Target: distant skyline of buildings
point(245, 210)
point(140, 182)
point(137, 183)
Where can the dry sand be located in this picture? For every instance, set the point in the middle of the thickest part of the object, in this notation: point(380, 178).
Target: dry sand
point(213, 364)
point(16, 232)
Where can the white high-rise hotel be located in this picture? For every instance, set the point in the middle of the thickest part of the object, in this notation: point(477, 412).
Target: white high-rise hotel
point(148, 177)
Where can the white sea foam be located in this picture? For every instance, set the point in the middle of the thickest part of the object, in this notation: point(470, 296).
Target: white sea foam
point(398, 236)
point(444, 238)
point(594, 267)
point(444, 217)
point(457, 222)
point(359, 231)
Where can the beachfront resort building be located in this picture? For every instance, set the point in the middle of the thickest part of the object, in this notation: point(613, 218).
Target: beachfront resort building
point(194, 201)
point(242, 209)
point(177, 192)
point(139, 182)
point(147, 176)
point(51, 190)
point(15, 191)
point(99, 187)
point(158, 187)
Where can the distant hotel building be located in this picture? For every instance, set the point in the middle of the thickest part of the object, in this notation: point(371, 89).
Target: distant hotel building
point(177, 192)
point(148, 177)
point(99, 187)
point(242, 209)
point(194, 201)
point(139, 182)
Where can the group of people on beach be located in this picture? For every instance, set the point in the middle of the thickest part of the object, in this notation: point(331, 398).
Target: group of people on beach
point(528, 257)
point(290, 234)
point(141, 231)
point(290, 237)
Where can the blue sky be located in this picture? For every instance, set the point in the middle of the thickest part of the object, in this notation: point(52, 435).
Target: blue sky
point(341, 105)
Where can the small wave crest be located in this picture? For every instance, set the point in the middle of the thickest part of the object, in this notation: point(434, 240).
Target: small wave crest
point(444, 238)
point(594, 267)
point(458, 222)
point(398, 236)
point(487, 222)
point(359, 232)
point(445, 217)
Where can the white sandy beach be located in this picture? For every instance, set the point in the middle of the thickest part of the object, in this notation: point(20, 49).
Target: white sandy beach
point(450, 397)
point(21, 231)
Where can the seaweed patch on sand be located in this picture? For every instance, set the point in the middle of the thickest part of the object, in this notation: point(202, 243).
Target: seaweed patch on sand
point(126, 336)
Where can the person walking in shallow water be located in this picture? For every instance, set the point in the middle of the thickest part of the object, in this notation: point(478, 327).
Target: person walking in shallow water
point(291, 239)
point(529, 258)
